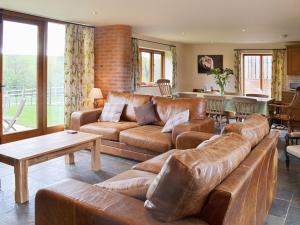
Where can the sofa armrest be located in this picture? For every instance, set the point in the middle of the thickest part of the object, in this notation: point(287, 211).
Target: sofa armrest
point(81, 118)
point(191, 139)
point(246, 195)
point(205, 125)
point(75, 203)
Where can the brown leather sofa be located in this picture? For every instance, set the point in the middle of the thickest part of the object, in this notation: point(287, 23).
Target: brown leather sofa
point(242, 198)
point(127, 139)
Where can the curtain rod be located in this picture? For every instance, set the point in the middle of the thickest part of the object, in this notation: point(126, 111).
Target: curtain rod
point(21, 15)
point(154, 42)
point(260, 49)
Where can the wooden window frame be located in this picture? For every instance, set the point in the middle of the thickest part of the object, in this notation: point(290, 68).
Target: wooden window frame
point(152, 52)
point(42, 24)
point(261, 55)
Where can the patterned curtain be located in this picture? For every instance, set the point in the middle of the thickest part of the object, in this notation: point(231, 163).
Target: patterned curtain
point(278, 71)
point(79, 69)
point(174, 62)
point(135, 63)
point(237, 70)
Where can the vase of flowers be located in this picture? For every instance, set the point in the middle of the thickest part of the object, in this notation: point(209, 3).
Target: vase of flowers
point(221, 77)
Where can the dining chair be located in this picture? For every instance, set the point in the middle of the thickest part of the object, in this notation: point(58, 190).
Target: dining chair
point(11, 120)
point(282, 114)
point(215, 108)
point(243, 107)
point(164, 87)
point(257, 95)
point(292, 147)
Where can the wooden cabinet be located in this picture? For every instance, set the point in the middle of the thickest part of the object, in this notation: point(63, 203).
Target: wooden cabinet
point(293, 60)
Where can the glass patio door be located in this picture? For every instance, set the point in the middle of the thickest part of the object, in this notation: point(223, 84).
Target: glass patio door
point(20, 69)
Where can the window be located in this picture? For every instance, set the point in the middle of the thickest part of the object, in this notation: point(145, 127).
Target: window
point(257, 74)
point(55, 73)
point(19, 74)
point(33, 78)
point(152, 64)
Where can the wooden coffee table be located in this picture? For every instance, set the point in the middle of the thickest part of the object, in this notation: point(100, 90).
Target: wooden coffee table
point(24, 153)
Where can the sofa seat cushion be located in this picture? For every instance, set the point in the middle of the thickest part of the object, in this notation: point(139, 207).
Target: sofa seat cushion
point(187, 177)
point(147, 137)
point(108, 130)
point(134, 183)
point(155, 164)
point(254, 128)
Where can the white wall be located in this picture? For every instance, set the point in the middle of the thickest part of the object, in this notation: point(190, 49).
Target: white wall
point(187, 67)
point(190, 72)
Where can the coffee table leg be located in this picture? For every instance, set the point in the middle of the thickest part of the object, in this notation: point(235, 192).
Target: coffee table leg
point(95, 154)
point(21, 181)
point(70, 159)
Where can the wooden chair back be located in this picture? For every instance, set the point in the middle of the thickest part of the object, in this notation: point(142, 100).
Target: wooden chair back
point(164, 87)
point(244, 107)
point(215, 104)
point(296, 99)
point(295, 104)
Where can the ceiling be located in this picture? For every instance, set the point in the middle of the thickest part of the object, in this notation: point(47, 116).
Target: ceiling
point(187, 21)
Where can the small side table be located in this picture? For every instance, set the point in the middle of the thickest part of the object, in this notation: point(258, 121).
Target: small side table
point(292, 147)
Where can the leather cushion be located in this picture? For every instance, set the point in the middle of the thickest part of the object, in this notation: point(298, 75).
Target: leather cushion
point(187, 177)
point(134, 183)
point(166, 107)
point(73, 202)
point(155, 164)
point(108, 130)
point(255, 127)
point(147, 137)
point(207, 142)
point(130, 100)
point(145, 114)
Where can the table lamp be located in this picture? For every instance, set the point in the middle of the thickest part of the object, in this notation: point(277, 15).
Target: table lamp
point(96, 94)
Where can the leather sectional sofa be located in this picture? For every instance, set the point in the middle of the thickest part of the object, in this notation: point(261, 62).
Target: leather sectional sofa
point(127, 139)
point(243, 197)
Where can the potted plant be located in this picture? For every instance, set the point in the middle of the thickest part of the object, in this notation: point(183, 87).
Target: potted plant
point(221, 77)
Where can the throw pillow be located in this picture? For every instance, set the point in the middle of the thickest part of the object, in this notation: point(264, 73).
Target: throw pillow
point(187, 177)
point(176, 119)
point(132, 183)
point(145, 114)
point(111, 112)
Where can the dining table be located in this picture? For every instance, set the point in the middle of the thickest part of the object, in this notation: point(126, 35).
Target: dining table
point(262, 103)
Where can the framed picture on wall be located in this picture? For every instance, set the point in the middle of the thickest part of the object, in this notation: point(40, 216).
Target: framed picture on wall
point(208, 62)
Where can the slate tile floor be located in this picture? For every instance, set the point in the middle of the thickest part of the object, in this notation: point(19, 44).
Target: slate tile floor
point(285, 209)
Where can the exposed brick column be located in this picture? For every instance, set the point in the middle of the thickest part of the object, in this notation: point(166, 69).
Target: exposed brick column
point(113, 58)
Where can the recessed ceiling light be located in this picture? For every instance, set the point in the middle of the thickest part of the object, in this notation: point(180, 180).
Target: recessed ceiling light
point(284, 36)
point(244, 30)
point(94, 13)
